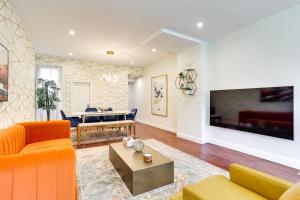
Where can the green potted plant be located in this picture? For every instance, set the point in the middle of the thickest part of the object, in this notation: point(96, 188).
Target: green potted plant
point(47, 96)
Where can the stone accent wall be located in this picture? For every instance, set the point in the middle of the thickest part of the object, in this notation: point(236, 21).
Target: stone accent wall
point(103, 94)
point(21, 96)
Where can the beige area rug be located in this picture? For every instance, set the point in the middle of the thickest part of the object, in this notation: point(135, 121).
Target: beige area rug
point(98, 180)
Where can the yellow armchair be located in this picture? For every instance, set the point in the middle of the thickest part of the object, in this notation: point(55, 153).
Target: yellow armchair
point(244, 184)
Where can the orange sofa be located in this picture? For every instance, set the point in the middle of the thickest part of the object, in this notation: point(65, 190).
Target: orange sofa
point(37, 162)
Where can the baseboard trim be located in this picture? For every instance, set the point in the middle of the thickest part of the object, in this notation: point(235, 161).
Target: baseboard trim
point(173, 130)
point(190, 138)
point(261, 154)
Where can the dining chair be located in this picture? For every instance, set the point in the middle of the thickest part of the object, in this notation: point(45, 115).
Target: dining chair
point(132, 115)
point(109, 117)
point(92, 119)
point(74, 120)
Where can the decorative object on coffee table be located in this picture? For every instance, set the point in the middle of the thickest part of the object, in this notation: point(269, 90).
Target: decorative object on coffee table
point(147, 157)
point(138, 145)
point(128, 141)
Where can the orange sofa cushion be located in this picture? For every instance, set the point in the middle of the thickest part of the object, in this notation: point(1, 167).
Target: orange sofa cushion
point(47, 145)
point(41, 131)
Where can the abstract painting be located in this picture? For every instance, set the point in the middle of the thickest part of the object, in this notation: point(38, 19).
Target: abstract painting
point(3, 73)
point(159, 95)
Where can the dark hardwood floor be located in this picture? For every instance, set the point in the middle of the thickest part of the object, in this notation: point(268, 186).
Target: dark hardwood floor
point(216, 155)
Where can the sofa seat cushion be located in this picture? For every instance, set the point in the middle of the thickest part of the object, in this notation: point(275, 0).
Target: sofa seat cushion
point(47, 145)
point(218, 188)
point(177, 196)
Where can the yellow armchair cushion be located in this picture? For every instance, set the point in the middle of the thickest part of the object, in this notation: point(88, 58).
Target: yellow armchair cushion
point(292, 194)
point(263, 184)
point(218, 187)
point(178, 196)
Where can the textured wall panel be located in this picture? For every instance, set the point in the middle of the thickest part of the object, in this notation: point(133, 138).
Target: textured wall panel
point(21, 102)
point(103, 94)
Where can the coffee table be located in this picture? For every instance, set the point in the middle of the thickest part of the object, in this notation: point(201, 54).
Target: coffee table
point(140, 176)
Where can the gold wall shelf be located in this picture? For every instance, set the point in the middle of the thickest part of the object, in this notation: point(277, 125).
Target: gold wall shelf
point(186, 81)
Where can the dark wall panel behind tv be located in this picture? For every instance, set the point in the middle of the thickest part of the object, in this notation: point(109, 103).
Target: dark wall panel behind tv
point(265, 111)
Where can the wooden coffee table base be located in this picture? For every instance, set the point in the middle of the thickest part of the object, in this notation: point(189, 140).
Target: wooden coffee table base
point(138, 176)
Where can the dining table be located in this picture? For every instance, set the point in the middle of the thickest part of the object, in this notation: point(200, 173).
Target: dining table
point(84, 115)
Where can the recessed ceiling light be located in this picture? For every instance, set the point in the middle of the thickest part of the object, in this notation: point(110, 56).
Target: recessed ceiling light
point(131, 62)
point(200, 24)
point(70, 54)
point(154, 50)
point(72, 32)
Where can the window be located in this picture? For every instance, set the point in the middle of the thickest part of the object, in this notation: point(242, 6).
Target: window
point(49, 73)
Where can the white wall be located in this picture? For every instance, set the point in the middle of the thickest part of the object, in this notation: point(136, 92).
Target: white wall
point(143, 95)
point(264, 54)
point(131, 95)
point(191, 109)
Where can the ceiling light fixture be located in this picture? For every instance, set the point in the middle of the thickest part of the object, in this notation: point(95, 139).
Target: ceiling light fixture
point(70, 54)
point(200, 24)
point(110, 52)
point(72, 32)
point(110, 78)
point(154, 50)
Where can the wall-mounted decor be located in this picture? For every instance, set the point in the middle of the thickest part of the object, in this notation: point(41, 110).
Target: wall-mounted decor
point(3, 73)
point(186, 81)
point(159, 95)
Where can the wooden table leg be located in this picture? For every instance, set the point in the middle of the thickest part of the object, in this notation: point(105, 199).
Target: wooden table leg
point(134, 130)
point(78, 134)
point(129, 130)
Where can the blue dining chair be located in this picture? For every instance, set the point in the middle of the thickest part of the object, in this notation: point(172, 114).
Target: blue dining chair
point(132, 115)
point(110, 118)
point(92, 119)
point(73, 120)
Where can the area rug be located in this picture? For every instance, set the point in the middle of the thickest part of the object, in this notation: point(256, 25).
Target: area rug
point(98, 180)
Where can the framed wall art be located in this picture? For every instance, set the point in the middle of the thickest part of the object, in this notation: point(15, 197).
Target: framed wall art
point(159, 95)
point(3, 73)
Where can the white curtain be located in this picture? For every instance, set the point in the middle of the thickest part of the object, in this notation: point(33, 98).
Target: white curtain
point(50, 73)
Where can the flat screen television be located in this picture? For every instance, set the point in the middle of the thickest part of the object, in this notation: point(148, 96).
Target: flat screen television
point(266, 111)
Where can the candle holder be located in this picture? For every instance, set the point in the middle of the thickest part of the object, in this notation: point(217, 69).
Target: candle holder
point(147, 157)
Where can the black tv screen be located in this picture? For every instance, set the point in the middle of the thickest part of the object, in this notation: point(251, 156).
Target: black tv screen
point(265, 111)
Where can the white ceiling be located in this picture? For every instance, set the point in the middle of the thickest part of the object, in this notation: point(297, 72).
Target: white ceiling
point(125, 25)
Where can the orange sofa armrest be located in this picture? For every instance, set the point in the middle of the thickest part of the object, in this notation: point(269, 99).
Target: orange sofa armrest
point(50, 130)
point(39, 175)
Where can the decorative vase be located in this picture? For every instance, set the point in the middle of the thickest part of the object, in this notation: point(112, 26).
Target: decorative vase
point(138, 145)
